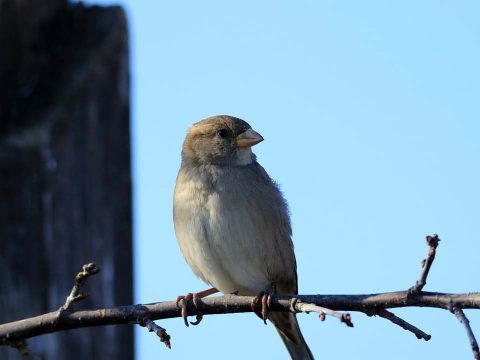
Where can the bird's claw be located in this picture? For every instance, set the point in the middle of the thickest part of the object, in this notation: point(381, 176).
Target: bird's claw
point(182, 302)
point(265, 299)
point(199, 319)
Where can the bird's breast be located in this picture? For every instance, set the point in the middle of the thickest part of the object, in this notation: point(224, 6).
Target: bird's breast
point(223, 235)
point(233, 230)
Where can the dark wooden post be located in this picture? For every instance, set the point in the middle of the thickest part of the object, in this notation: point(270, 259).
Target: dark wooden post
point(65, 176)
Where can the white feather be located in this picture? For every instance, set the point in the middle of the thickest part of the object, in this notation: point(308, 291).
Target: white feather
point(244, 156)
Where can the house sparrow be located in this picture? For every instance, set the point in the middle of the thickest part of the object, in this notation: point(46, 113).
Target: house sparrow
point(232, 222)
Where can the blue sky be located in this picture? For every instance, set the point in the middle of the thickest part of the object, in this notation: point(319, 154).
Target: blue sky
point(371, 117)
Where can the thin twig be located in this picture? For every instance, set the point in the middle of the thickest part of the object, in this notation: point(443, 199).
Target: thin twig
point(22, 346)
point(75, 295)
point(400, 322)
point(157, 329)
point(466, 324)
point(432, 242)
point(299, 306)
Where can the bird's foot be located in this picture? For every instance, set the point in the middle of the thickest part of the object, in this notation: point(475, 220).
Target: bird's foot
point(182, 302)
point(261, 303)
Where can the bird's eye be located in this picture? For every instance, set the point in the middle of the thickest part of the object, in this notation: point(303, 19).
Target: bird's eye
point(223, 133)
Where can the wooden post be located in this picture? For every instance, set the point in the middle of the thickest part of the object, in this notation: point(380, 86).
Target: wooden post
point(65, 175)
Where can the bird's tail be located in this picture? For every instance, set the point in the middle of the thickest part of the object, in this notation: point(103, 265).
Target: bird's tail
point(288, 329)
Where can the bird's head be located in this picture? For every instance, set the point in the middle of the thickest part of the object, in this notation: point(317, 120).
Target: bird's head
point(220, 140)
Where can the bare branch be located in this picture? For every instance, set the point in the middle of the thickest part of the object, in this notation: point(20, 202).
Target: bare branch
point(227, 304)
point(15, 333)
point(400, 322)
point(298, 306)
point(75, 295)
point(22, 346)
point(466, 324)
point(160, 331)
point(432, 242)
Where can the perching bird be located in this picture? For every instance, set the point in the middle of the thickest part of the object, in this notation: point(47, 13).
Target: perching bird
point(232, 222)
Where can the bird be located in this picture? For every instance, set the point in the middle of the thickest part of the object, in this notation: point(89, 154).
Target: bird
point(232, 222)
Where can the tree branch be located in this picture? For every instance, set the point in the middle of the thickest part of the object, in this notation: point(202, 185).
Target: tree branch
point(15, 333)
point(75, 295)
point(402, 323)
point(466, 324)
point(158, 330)
point(432, 242)
point(298, 306)
point(227, 304)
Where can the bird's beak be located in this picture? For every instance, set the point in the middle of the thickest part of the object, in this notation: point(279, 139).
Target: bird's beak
point(248, 138)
